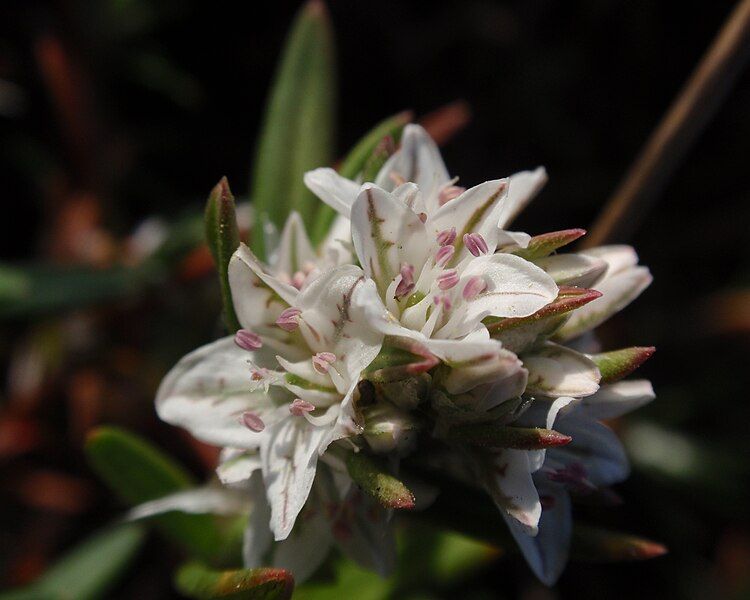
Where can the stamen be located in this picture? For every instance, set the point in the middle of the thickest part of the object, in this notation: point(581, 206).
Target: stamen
point(322, 361)
point(447, 279)
point(289, 319)
point(444, 255)
point(475, 243)
point(475, 286)
point(252, 421)
point(247, 340)
point(450, 192)
point(444, 300)
point(298, 279)
point(299, 407)
point(447, 236)
point(406, 285)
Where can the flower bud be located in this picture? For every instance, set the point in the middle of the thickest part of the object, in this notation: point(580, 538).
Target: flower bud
point(389, 429)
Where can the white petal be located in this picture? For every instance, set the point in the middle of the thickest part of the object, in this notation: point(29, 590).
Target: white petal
point(295, 251)
point(509, 483)
point(366, 534)
point(257, 538)
point(290, 454)
point(573, 269)
point(236, 465)
point(595, 446)
point(204, 500)
point(619, 257)
point(387, 233)
point(515, 288)
point(337, 248)
point(617, 292)
point(333, 189)
point(207, 391)
point(475, 211)
point(522, 189)
point(419, 161)
point(307, 546)
point(547, 552)
point(616, 399)
point(258, 297)
point(559, 371)
point(333, 320)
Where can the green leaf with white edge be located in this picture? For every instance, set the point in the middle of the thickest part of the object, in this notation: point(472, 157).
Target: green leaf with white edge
point(197, 581)
point(138, 472)
point(372, 476)
point(298, 128)
point(355, 161)
point(223, 238)
point(617, 364)
point(88, 571)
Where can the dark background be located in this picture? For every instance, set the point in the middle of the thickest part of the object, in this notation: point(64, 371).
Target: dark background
point(116, 110)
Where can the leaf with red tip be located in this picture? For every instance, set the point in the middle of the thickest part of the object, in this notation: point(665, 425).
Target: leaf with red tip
point(517, 334)
point(194, 580)
point(617, 364)
point(374, 479)
point(601, 545)
point(546, 243)
point(494, 435)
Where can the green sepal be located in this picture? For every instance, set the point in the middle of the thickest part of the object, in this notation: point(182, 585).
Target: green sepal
point(372, 476)
point(617, 364)
point(355, 161)
point(138, 472)
point(493, 435)
point(297, 132)
point(546, 243)
point(223, 238)
point(197, 581)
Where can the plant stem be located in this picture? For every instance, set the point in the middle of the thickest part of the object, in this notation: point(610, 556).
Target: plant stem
point(690, 112)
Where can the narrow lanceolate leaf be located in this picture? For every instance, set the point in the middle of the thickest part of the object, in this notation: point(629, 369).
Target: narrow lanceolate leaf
point(546, 243)
point(89, 570)
point(385, 148)
point(493, 435)
point(138, 472)
point(600, 545)
point(355, 161)
point(298, 128)
point(372, 476)
point(518, 334)
point(223, 239)
point(617, 364)
point(194, 580)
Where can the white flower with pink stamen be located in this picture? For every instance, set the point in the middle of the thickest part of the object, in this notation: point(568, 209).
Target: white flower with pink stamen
point(283, 385)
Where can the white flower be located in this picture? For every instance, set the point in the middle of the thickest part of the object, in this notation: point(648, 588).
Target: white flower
point(284, 385)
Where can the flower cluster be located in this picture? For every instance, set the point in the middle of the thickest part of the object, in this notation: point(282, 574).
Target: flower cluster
point(423, 330)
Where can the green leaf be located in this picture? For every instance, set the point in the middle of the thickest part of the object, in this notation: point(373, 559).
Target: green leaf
point(355, 161)
point(546, 243)
point(89, 570)
point(223, 239)
point(494, 435)
point(298, 129)
point(371, 475)
point(42, 289)
point(617, 364)
point(137, 472)
point(194, 580)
